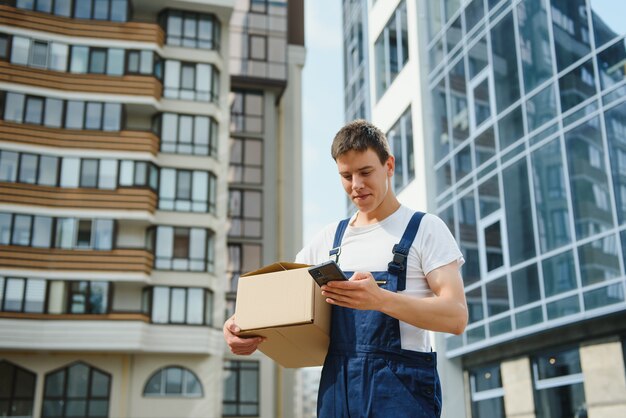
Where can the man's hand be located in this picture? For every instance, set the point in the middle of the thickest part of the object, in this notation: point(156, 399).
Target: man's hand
point(360, 292)
point(238, 345)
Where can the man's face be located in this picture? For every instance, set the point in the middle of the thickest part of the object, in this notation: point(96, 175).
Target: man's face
point(365, 179)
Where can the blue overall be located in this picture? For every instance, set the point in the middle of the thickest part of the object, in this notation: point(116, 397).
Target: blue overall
point(366, 372)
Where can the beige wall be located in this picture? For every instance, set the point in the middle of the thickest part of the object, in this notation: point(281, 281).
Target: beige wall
point(518, 388)
point(605, 380)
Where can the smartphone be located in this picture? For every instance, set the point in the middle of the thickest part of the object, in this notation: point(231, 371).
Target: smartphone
point(326, 272)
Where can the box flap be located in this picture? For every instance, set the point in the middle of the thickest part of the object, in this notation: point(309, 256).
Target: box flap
point(278, 266)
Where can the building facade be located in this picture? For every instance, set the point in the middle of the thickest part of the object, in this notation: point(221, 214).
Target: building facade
point(148, 152)
point(507, 120)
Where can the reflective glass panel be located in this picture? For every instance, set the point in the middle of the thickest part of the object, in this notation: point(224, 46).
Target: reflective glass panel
point(599, 260)
point(497, 296)
point(571, 31)
point(507, 89)
point(615, 122)
point(535, 48)
point(518, 212)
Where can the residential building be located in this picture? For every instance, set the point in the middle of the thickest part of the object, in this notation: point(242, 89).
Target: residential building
point(507, 120)
point(141, 143)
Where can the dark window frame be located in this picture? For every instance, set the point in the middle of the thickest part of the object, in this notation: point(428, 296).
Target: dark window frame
point(242, 165)
point(209, 250)
point(64, 397)
point(88, 303)
point(148, 293)
point(235, 366)
point(163, 379)
point(22, 309)
point(242, 218)
point(215, 41)
point(13, 397)
point(212, 146)
point(251, 37)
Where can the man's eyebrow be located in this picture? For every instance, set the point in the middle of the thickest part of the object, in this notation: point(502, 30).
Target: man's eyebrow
point(367, 167)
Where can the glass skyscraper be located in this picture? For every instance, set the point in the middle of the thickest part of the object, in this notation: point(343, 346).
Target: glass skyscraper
point(518, 117)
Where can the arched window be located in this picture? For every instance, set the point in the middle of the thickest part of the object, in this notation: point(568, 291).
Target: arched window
point(77, 390)
point(17, 390)
point(173, 381)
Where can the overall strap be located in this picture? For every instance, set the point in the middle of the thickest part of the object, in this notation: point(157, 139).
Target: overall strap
point(400, 251)
point(341, 229)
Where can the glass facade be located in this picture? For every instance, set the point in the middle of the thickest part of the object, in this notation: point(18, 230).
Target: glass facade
point(356, 75)
point(527, 126)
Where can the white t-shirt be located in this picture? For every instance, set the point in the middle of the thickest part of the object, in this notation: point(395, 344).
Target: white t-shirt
point(369, 248)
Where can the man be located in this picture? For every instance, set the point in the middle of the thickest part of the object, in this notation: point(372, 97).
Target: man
point(406, 281)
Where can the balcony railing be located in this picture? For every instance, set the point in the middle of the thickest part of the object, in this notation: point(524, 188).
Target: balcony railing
point(58, 197)
point(131, 141)
point(127, 31)
point(136, 85)
point(118, 260)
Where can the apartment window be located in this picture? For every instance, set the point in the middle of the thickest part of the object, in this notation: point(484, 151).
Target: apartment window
point(96, 234)
point(487, 392)
point(22, 295)
point(245, 213)
point(258, 6)
point(241, 388)
point(246, 111)
point(4, 46)
point(400, 137)
point(112, 10)
point(144, 62)
point(193, 30)
point(558, 383)
point(257, 47)
point(78, 390)
point(17, 390)
point(187, 191)
point(242, 258)
point(138, 174)
point(187, 134)
point(190, 81)
point(173, 381)
point(58, 7)
point(39, 54)
point(391, 50)
point(246, 161)
point(48, 111)
point(187, 249)
point(179, 305)
point(25, 230)
point(85, 297)
point(8, 166)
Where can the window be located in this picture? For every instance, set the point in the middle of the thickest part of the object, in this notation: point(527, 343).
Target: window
point(241, 388)
point(173, 382)
point(246, 111)
point(487, 392)
point(193, 30)
point(39, 54)
point(187, 191)
point(95, 234)
point(246, 161)
point(4, 46)
point(186, 249)
point(78, 390)
point(400, 137)
point(187, 134)
point(245, 213)
point(558, 382)
point(143, 62)
point(88, 297)
point(258, 6)
point(22, 295)
point(391, 50)
point(17, 390)
point(112, 10)
point(49, 112)
point(138, 174)
point(58, 7)
point(505, 73)
point(178, 305)
point(519, 221)
point(190, 81)
point(257, 47)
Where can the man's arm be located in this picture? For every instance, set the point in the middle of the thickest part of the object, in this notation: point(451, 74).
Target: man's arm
point(446, 312)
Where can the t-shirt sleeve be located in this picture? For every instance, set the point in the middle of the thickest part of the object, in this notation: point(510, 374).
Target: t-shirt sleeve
point(436, 245)
point(316, 251)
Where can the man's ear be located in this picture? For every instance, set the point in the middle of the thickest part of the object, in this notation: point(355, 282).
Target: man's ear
point(390, 165)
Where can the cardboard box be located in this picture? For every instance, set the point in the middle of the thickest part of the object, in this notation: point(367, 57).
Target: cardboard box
point(284, 304)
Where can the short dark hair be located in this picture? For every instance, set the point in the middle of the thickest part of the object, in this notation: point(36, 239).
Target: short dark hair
point(359, 135)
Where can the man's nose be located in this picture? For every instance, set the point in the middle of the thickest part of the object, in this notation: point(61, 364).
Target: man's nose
point(357, 182)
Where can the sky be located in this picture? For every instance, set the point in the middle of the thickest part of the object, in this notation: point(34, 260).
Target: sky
point(322, 115)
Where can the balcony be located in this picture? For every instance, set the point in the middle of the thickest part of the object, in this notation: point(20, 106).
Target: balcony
point(128, 141)
point(136, 199)
point(117, 260)
point(136, 85)
point(106, 333)
point(127, 31)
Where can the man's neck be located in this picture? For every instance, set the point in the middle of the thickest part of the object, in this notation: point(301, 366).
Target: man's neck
point(386, 209)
